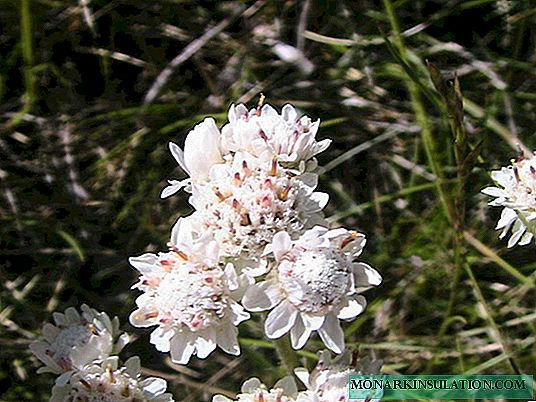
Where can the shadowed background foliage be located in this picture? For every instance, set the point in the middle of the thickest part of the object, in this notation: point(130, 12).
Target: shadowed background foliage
point(91, 94)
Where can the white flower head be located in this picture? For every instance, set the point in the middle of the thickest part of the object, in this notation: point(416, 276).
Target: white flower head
point(76, 340)
point(328, 382)
point(106, 381)
point(253, 390)
point(190, 298)
point(201, 152)
point(263, 130)
point(313, 285)
point(516, 192)
point(247, 201)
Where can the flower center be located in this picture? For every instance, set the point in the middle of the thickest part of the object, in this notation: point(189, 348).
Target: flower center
point(314, 280)
point(106, 387)
point(523, 190)
point(191, 296)
point(68, 338)
point(246, 209)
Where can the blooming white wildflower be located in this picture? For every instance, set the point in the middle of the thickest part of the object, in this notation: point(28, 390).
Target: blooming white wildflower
point(516, 192)
point(328, 382)
point(201, 152)
point(247, 201)
point(253, 390)
point(190, 298)
point(263, 130)
point(106, 381)
point(76, 340)
point(314, 284)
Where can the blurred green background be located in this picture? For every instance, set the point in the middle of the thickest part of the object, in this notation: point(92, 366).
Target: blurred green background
point(92, 91)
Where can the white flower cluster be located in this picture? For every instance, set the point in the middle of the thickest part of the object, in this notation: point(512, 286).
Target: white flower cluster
point(81, 349)
point(516, 193)
point(328, 382)
point(256, 241)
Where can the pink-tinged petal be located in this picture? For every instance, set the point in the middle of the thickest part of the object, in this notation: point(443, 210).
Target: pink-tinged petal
point(72, 315)
point(312, 322)
point(161, 338)
point(281, 244)
point(178, 154)
point(508, 216)
point(321, 145)
point(319, 200)
point(238, 313)
point(181, 347)
point(205, 343)
point(280, 320)
point(236, 112)
point(60, 319)
point(40, 350)
point(494, 192)
point(353, 308)
point(299, 334)
point(220, 398)
point(517, 232)
point(202, 150)
point(527, 237)
point(63, 379)
point(303, 375)
point(227, 340)
point(288, 385)
point(144, 263)
point(261, 296)
point(182, 233)
point(154, 386)
point(50, 332)
point(309, 179)
point(331, 334)
point(212, 252)
point(232, 277)
point(365, 275)
point(173, 187)
point(143, 318)
point(133, 366)
point(288, 113)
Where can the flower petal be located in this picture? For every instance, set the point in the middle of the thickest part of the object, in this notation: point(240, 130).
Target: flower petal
point(178, 154)
point(262, 296)
point(365, 275)
point(331, 334)
point(299, 334)
point(205, 342)
point(353, 308)
point(280, 320)
point(181, 347)
point(281, 243)
point(227, 340)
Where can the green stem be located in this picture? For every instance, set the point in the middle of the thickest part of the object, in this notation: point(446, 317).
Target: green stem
point(26, 43)
point(287, 355)
point(491, 322)
point(420, 113)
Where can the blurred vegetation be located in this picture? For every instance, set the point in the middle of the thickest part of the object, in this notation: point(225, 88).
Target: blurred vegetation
point(92, 91)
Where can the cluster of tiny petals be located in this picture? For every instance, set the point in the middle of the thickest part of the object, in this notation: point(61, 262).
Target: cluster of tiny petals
point(183, 294)
point(254, 391)
point(263, 129)
point(328, 382)
point(323, 272)
point(516, 193)
point(106, 382)
point(76, 339)
point(518, 183)
point(324, 275)
point(247, 205)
